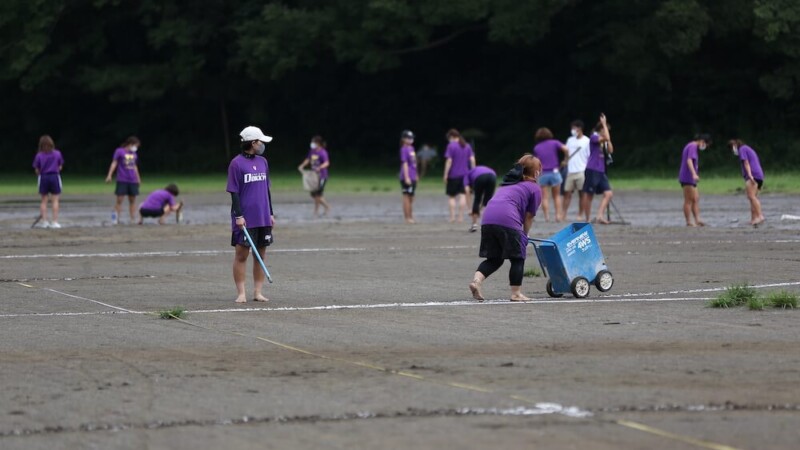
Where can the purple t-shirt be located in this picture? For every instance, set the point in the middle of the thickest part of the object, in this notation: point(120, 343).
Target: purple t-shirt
point(689, 154)
point(547, 152)
point(157, 200)
point(48, 162)
point(510, 204)
point(597, 160)
point(409, 156)
point(473, 174)
point(249, 177)
point(746, 153)
point(460, 157)
point(318, 157)
point(126, 165)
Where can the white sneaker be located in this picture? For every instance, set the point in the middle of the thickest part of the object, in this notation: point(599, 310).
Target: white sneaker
point(55, 225)
point(44, 224)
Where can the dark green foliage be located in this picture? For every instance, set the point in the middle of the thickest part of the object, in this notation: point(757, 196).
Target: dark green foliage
point(174, 313)
point(186, 77)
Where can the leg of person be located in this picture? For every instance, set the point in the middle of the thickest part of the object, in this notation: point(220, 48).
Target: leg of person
point(545, 205)
point(559, 212)
point(515, 275)
point(688, 198)
point(239, 268)
point(118, 207)
point(163, 216)
point(315, 197)
point(258, 276)
point(451, 202)
point(132, 207)
point(565, 203)
point(462, 206)
point(411, 219)
point(43, 210)
point(477, 200)
point(696, 208)
point(601, 212)
point(55, 198)
point(485, 269)
point(752, 189)
point(586, 199)
point(407, 208)
point(324, 205)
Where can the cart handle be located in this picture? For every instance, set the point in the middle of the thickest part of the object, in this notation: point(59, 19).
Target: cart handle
point(534, 240)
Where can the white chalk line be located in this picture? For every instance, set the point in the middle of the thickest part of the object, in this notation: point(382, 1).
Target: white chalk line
point(350, 249)
point(620, 298)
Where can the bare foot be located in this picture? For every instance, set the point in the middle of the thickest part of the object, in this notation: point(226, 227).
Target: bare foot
point(602, 221)
point(260, 298)
point(690, 224)
point(241, 299)
point(475, 287)
point(519, 298)
point(700, 223)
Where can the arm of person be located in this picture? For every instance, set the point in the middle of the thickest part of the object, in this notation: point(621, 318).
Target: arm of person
point(748, 170)
point(138, 177)
point(303, 165)
point(38, 172)
point(528, 223)
point(565, 149)
point(324, 165)
point(472, 162)
point(271, 211)
point(406, 176)
point(605, 135)
point(111, 170)
point(236, 208)
point(689, 164)
point(447, 164)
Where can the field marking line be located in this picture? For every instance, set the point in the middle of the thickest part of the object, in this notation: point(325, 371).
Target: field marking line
point(678, 437)
point(25, 285)
point(118, 308)
point(702, 290)
point(539, 407)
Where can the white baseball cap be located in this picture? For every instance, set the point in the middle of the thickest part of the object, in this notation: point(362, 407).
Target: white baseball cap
point(252, 133)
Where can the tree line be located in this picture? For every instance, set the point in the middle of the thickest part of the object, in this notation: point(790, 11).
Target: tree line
point(187, 76)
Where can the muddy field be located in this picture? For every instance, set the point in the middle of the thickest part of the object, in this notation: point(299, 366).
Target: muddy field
point(370, 339)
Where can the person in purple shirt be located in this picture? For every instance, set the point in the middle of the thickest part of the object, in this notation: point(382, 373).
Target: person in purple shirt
point(689, 175)
point(480, 182)
point(550, 152)
point(408, 174)
point(319, 161)
point(47, 164)
point(459, 159)
point(753, 177)
point(595, 178)
point(251, 207)
point(126, 164)
point(159, 204)
point(506, 222)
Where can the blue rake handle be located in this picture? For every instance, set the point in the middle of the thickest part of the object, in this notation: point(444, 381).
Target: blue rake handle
point(257, 255)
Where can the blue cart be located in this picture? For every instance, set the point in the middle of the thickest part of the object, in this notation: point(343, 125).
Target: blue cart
point(572, 260)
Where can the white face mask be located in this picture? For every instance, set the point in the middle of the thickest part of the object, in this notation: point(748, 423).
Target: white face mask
point(134, 148)
point(573, 132)
point(260, 148)
point(313, 146)
point(735, 150)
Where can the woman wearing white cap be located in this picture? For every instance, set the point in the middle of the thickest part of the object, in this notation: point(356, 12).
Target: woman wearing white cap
point(251, 207)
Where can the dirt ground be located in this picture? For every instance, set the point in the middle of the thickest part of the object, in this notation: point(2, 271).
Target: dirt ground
point(371, 339)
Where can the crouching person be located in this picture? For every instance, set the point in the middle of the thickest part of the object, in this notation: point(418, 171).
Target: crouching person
point(160, 204)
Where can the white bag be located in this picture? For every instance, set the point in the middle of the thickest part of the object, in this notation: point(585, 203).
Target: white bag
point(310, 180)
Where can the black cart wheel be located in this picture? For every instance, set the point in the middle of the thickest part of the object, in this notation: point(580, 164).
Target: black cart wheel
point(580, 287)
point(604, 281)
point(550, 291)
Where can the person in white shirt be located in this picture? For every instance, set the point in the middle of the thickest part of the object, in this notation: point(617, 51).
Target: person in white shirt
point(578, 146)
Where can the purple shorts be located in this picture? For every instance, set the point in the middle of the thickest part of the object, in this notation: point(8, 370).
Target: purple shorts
point(49, 183)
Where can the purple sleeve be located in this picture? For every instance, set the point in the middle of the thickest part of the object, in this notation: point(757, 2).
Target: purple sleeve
point(595, 139)
point(743, 154)
point(324, 157)
point(233, 178)
point(60, 159)
point(693, 152)
point(449, 152)
point(536, 195)
point(171, 200)
point(471, 153)
point(37, 163)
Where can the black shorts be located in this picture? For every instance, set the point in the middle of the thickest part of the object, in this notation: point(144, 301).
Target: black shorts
point(455, 186)
point(408, 189)
point(129, 189)
point(147, 212)
point(759, 183)
point(262, 236)
point(688, 184)
point(499, 242)
point(321, 189)
point(483, 191)
point(595, 182)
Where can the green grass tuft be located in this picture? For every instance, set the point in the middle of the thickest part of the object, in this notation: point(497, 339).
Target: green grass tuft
point(533, 272)
point(756, 304)
point(174, 313)
point(736, 295)
point(782, 299)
